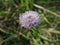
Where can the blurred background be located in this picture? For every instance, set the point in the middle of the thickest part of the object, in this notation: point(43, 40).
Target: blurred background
point(46, 33)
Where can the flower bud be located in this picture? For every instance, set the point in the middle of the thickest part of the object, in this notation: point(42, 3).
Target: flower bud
point(29, 19)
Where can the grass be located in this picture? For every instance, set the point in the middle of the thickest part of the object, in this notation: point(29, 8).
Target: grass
point(46, 33)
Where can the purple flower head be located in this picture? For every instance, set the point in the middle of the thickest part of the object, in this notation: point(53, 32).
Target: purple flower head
point(29, 19)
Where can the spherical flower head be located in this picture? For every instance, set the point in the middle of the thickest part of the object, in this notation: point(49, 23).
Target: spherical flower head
point(29, 19)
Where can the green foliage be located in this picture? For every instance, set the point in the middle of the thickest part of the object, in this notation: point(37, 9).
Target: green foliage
point(46, 33)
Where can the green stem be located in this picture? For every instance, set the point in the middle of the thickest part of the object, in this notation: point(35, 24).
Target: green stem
point(27, 4)
point(22, 2)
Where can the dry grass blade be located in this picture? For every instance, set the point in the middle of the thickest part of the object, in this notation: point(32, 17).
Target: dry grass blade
point(54, 31)
point(3, 30)
point(46, 20)
point(36, 43)
point(38, 6)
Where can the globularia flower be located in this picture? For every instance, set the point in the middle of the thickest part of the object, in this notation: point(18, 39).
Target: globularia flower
point(29, 19)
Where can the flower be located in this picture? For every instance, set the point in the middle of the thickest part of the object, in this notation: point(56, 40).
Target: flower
point(29, 19)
